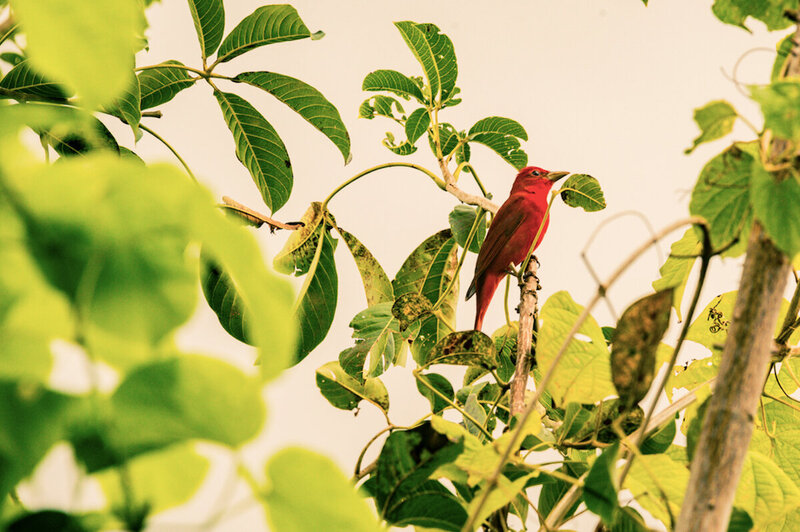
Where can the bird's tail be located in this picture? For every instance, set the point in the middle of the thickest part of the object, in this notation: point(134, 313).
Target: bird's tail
point(473, 287)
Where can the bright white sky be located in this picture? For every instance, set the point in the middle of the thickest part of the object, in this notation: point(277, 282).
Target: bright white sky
point(602, 87)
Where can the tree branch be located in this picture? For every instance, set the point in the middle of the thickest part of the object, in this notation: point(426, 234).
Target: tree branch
point(528, 301)
point(258, 218)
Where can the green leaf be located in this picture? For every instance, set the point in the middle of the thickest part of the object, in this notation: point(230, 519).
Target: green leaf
point(775, 206)
point(73, 43)
point(128, 106)
point(466, 348)
point(11, 58)
point(784, 48)
point(765, 491)
point(657, 481)
point(404, 148)
point(675, 270)
point(582, 190)
point(307, 101)
point(189, 397)
point(721, 197)
point(224, 300)
point(421, 47)
point(633, 348)
point(461, 218)
point(209, 22)
point(448, 139)
point(376, 332)
point(259, 148)
point(345, 392)
point(503, 493)
point(324, 500)
point(501, 135)
point(23, 79)
point(301, 246)
point(440, 383)
point(403, 488)
point(417, 124)
point(553, 491)
point(159, 85)
point(392, 81)
point(584, 373)
point(715, 120)
point(165, 478)
point(50, 520)
point(266, 25)
point(599, 492)
point(427, 272)
point(32, 420)
point(445, 56)
point(316, 302)
point(769, 12)
point(781, 445)
point(660, 440)
point(505, 345)
point(377, 285)
point(780, 104)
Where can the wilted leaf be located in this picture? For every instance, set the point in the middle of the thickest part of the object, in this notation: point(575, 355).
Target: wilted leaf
point(633, 348)
point(298, 252)
point(466, 348)
point(377, 285)
point(582, 190)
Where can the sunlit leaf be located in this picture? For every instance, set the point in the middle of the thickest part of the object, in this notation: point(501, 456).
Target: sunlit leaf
point(266, 25)
point(675, 270)
point(582, 190)
point(259, 148)
point(715, 120)
point(633, 348)
point(375, 331)
point(76, 41)
point(307, 101)
point(324, 500)
point(765, 491)
point(584, 373)
point(159, 85)
point(377, 285)
point(775, 198)
point(345, 392)
point(780, 104)
point(770, 12)
point(501, 135)
point(209, 22)
point(657, 481)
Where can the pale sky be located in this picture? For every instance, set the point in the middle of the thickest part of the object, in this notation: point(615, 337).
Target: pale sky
point(602, 87)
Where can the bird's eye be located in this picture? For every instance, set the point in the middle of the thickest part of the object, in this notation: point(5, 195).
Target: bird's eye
point(536, 172)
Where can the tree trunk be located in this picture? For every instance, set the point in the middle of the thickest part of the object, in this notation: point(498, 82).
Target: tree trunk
point(528, 300)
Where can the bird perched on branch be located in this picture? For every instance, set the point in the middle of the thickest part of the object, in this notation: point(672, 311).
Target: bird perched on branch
point(511, 234)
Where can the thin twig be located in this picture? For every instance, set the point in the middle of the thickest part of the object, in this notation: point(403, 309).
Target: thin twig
point(257, 217)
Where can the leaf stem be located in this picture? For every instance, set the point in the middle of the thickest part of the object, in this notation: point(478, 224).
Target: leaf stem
point(359, 175)
point(170, 148)
point(205, 74)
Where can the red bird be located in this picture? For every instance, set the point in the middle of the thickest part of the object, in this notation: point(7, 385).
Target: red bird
point(511, 234)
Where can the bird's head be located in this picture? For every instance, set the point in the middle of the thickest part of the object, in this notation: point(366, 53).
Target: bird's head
point(534, 179)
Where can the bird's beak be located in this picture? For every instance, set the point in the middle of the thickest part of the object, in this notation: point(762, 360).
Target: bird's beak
point(555, 176)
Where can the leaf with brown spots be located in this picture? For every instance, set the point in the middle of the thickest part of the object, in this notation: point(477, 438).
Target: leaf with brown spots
point(464, 348)
point(633, 349)
point(377, 285)
point(408, 308)
point(298, 252)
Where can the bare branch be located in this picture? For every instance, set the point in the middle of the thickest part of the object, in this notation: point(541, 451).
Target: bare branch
point(528, 301)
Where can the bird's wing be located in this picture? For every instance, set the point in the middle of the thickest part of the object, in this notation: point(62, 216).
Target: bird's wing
point(506, 222)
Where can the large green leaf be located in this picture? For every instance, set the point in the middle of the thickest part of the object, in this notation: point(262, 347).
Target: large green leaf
point(24, 80)
point(404, 495)
point(445, 56)
point(88, 46)
point(721, 197)
point(393, 81)
point(461, 219)
point(658, 481)
point(675, 271)
point(770, 12)
point(266, 25)
point(421, 47)
point(188, 397)
point(259, 148)
point(501, 135)
point(583, 374)
point(307, 101)
point(467, 348)
point(164, 478)
point(780, 104)
point(301, 246)
point(31, 421)
point(417, 124)
point(324, 500)
point(715, 120)
point(377, 285)
point(159, 85)
point(316, 302)
point(775, 205)
point(440, 384)
point(765, 491)
point(599, 491)
point(427, 271)
point(583, 190)
point(209, 22)
point(345, 392)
